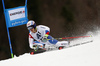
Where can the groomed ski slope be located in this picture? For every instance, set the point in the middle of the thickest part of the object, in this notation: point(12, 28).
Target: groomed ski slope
point(83, 55)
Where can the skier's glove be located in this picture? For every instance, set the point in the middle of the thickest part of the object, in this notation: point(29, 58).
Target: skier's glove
point(44, 39)
point(35, 47)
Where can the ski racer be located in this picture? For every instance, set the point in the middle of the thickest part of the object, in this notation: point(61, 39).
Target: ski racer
point(39, 36)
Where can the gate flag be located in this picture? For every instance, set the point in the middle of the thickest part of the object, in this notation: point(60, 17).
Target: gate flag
point(15, 17)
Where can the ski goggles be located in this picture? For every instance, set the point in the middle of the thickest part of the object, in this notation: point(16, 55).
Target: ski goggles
point(31, 27)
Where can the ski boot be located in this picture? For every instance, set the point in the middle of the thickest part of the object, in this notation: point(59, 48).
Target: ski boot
point(62, 44)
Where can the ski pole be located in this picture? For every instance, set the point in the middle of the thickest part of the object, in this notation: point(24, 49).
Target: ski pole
point(71, 37)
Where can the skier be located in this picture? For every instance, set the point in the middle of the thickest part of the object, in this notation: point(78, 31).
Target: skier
point(39, 36)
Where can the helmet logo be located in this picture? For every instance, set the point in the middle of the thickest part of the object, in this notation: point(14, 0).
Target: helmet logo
point(28, 24)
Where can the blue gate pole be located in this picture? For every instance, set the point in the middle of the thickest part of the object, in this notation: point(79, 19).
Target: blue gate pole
point(26, 3)
point(7, 30)
point(10, 43)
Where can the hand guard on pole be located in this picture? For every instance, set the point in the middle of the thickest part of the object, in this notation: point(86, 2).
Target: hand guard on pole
point(44, 39)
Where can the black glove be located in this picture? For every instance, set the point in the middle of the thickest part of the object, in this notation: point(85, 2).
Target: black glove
point(35, 47)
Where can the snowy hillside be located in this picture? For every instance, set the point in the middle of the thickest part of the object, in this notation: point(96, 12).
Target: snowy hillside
point(83, 55)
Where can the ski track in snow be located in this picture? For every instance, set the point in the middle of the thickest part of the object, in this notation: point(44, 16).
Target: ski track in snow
point(83, 55)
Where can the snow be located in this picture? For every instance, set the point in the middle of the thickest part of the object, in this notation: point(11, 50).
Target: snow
point(83, 55)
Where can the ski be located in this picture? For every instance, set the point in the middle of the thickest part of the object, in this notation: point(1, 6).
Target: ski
point(52, 47)
point(79, 44)
point(32, 52)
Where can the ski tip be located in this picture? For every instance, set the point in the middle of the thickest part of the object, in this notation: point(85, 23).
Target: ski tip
point(32, 53)
point(60, 48)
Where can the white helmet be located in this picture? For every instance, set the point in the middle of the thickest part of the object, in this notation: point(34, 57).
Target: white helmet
point(31, 24)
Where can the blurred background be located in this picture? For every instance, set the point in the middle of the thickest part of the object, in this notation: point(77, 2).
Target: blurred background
point(66, 18)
